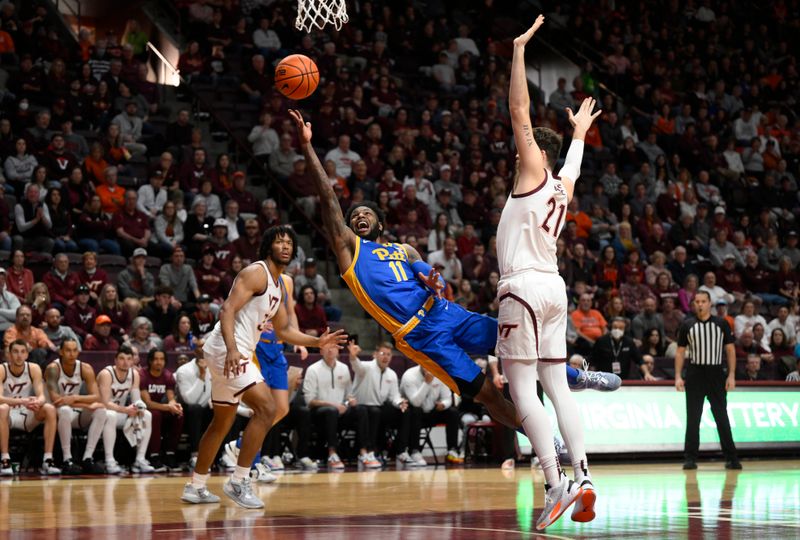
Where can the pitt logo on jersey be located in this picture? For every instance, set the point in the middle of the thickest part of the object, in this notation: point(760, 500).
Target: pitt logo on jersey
point(385, 255)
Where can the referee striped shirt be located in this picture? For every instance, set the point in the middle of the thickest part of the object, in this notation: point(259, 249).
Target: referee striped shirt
point(705, 340)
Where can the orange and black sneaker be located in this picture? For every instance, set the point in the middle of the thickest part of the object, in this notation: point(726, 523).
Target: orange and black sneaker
point(454, 458)
point(583, 511)
point(556, 501)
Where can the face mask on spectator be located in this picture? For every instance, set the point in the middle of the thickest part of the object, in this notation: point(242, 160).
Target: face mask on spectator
point(616, 333)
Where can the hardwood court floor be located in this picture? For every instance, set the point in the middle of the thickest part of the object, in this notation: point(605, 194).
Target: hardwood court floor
point(635, 501)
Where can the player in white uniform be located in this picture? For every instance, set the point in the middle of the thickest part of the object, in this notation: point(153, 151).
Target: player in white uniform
point(64, 378)
point(117, 384)
point(254, 300)
point(532, 319)
point(23, 406)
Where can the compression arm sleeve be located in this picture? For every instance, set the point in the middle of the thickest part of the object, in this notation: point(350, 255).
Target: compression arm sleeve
point(572, 164)
point(423, 268)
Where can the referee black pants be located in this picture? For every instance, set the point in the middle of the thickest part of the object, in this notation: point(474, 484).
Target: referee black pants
point(702, 382)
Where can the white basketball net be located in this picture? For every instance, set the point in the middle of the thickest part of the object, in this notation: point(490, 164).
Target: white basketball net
point(311, 13)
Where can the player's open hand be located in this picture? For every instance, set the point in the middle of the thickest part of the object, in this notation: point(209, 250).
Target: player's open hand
point(234, 362)
point(434, 281)
point(303, 128)
point(582, 120)
point(522, 40)
point(338, 338)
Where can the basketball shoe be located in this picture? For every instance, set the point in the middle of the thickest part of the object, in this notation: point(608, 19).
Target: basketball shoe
point(583, 510)
point(262, 473)
point(242, 493)
point(195, 495)
point(556, 501)
point(595, 380)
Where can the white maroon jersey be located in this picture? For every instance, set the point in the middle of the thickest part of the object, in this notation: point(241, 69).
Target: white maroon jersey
point(529, 227)
point(120, 389)
point(18, 386)
point(69, 385)
point(250, 321)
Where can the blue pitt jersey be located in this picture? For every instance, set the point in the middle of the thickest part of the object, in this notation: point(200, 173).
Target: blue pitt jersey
point(383, 282)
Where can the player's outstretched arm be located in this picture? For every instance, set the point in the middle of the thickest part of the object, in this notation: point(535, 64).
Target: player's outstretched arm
point(519, 105)
point(581, 122)
point(340, 237)
point(286, 332)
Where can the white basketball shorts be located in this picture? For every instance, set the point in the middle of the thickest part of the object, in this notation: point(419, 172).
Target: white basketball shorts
point(532, 320)
point(23, 419)
point(228, 390)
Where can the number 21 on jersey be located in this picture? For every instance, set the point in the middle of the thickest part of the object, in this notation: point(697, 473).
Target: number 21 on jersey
point(398, 270)
point(546, 225)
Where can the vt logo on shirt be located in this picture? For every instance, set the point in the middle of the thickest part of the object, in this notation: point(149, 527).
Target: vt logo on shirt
point(68, 387)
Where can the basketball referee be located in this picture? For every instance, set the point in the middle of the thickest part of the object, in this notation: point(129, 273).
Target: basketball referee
point(706, 337)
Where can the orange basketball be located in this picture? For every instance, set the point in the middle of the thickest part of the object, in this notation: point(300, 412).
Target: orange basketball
point(296, 77)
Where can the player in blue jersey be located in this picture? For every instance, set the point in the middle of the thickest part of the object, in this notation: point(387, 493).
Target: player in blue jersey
point(403, 294)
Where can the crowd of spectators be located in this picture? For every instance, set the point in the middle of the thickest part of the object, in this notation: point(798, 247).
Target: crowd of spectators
point(689, 179)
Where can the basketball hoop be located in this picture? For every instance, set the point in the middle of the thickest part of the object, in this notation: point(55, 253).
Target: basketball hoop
point(311, 13)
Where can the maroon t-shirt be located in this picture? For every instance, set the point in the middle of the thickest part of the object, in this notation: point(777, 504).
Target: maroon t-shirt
point(156, 386)
point(134, 224)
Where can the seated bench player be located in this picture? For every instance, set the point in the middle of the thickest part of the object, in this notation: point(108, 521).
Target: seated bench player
point(65, 377)
point(23, 406)
point(117, 383)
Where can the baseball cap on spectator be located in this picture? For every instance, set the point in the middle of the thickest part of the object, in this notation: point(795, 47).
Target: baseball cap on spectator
point(729, 257)
point(220, 222)
point(308, 263)
point(140, 252)
point(204, 298)
point(792, 234)
point(2, 270)
point(721, 302)
point(209, 250)
point(82, 289)
point(238, 174)
point(444, 167)
point(102, 319)
point(445, 191)
point(719, 210)
point(446, 113)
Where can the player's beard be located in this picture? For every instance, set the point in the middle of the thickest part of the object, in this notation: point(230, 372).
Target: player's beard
point(373, 234)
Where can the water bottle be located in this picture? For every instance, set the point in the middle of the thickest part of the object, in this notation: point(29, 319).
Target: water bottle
point(191, 341)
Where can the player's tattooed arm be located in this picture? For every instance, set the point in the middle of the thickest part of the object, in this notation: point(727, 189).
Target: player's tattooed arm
point(51, 379)
point(341, 238)
point(527, 133)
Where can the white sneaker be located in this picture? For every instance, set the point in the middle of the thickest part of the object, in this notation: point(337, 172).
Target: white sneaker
point(5, 468)
point(556, 501)
point(419, 461)
point(112, 467)
point(404, 461)
point(142, 466)
point(507, 465)
point(276, 464)
point(242, 493)
point(308, 464)
point(262, 473)
point(287, 457)
point(226, 462)
point(583, 511)
point(334, 463)
point(368, 461)
point(194, 495)
point(49, 467)
point(192, 463)
point(231, 452)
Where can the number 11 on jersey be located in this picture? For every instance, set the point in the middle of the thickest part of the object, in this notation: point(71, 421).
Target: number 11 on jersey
point(399, 271)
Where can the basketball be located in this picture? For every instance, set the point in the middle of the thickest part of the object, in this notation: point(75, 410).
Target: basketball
point(296, 76)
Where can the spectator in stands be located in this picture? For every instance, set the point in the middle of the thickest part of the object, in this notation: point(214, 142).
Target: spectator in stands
point(653, 344)
point(616, 352)
point(720, 248)
point(327, 390)
point(263, 138)
point(208, 277)
point(747, 319)
point(204, 318)
point(178, 133)
point(101, 339)
point(179, 276)
point(311, 317)
point(91, 275)
point(168, 229)
point(447, 257)
point(142, 336)
point(634, 292)
point(256, 82)
point(281, 161)
point(268, 215)
point(193, 172)
point(33, 225)
point(430, 403)
point(157, 386)
point(224, 252)
point(589, 324)
point(39, 301)
point(152, 196)
point(731, 279)
point(648, 318)
point(310, 276)
point(35, 337)
point(112, 195)
point(61, 220)
point(752, 370)
point(95, 229)
point(715, 291)
point(8, 304)
point(131, 225)
point(162, 311)
point(109, 304)
point(18, 168)
point(135, 281)
point(746, 344)
point(55, 331)
point(376, 387)
point(239, 193)
point(80, 315)
point(210, 200)
point(58, 160)
point(197, 228)
point(61, 283)
point(784, 323)
point(193, 382)
point(247, 245)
